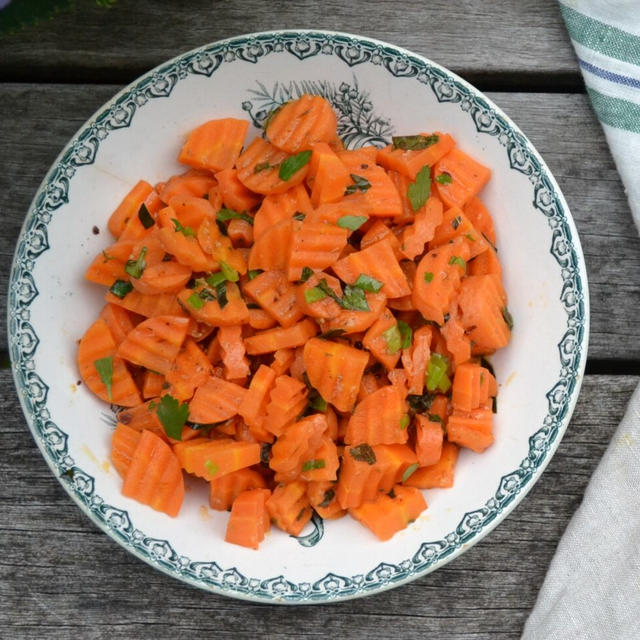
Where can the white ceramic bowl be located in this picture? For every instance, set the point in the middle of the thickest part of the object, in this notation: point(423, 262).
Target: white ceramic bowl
point(377, 89)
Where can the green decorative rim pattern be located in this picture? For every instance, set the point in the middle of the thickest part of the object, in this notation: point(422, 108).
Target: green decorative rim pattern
point(118, 113)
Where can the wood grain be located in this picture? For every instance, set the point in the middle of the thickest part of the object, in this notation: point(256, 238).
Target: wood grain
point(93, 44)
point(60, 577)
point(561, 126)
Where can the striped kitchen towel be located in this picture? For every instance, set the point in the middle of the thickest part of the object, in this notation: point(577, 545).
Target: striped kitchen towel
point(592, 588)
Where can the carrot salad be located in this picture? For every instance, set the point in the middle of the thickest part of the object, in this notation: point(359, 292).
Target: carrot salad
point(301, 326)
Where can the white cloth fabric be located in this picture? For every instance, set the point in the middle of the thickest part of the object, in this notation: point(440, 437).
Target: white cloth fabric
point(592, 588)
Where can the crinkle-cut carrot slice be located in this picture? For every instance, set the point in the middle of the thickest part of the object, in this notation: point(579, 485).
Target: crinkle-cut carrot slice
point(382, 197)
point(277, 296)
point(437, 280)
point(471, 429)
point(259, 165)
point(98, 344)
point(458, 343)
point(152, 384)
point(429, 438)
point(392, 460)
point(376, 342)
point(249, 519)
point(314, 245)
point(224, 490)
point(213, 459)
point(323, 464)
point(142, 417)
point(270, 252)
point(165, 277)
point(328, 177)
point(129, 207)
point(191, 211)
point(234, 193)
point(119, 321)
point(296, 445)
point(402, 185)
point(232, 351)
point(194, 182)
point(287, 400)
point(486, 263)
point(415, 359)
point(325, 307)
point(379, 231)
point(154, 476)
point(438, 475)
point(123, 445)
point(359, 477)
point(300, 124)
point(467, 175)
point(155, 342)
point(480, 218)
point(219, 247)
point(281, 338)
point(259, 319)
point(254, 404)
point(281, 206)
point(149, 306)
point(333, 211)
point(335, 370)
point(409, 162)
point(282, 360)
point(215, 400)
point(349, 321)
point(214, 145)
point(416, 235)
point(108, 265)
point(379, 262)
point(289, 507)
point(234, 312)
point(385, 516)
point(358, 160)
point(324, 501)
point(240, 233)
point(455, 224)
point(189, 370)
point(378, 419)
point(472, 387)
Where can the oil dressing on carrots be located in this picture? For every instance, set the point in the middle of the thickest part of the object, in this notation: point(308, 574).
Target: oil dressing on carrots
point(301, 326)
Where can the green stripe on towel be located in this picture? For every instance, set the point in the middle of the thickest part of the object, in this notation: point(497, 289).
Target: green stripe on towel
point(616, 112)
point(601, 37)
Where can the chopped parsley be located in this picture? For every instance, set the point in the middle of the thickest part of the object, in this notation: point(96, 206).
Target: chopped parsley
point(437, 377)
point(456, 222)
point(359, 184)
point(179, 228)
point(254, 273)
point(404, 421)
point(409, 471)
point(120, 288)
point(406, 333)
point(329, 495)
point(104, 367)
point(293, 164)
point(428, 276)
point(211, 467)
point(434, 417)
point(307, 272)
point(145, 217)
point(414, 143)
point(229, 272)
point(459, 261)
point(367, 283)
point(172, 416)
point(263, 166)
point(298, 215)
point(315, 294)
point(195, 301)
point(229, 214)
point(310, 465)
point(393, 339)
point(363, 453)
point(135, 267)
point(354, 299)
point(352, 222)
point(419, 191)
point(444, 178)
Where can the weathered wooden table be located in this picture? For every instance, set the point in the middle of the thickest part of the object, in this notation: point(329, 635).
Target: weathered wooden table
point(60, 577)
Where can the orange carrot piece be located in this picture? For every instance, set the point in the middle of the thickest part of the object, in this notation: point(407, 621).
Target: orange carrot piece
point(270, 251)
point(327, 177)
point(376, 342)
point(277, 296)
point(379, 231)
point(335, 370)
point(154, 476)
point(378, 419)
point(249, 519)
point(393, 460)
point(438, 475)
point(253, 407)
point(281, 206)
point(233, 313)
point(236, 365)
point(152, 384)
point(358, 160)
point(215, 400)
point(98, 344)
point(287, 400)
point(323, 464)
point(142, 417)
point(219, 247)
point(429, 438)
point(129, 207)
point(379, 262)
point(240, 232)
point(214, 145)
point(234, 193)
point(415, 359)
point(472, 387)
point(189, 370)
point(289, 507)
point(326, 307)
point(359, 476)
point(193, 182)
point(282, 359)
point(315, 245)
point(322, 496)
point(259, 319)
point(481, 219)
point(281, 338)
point(409, 162)
point(382, 197)
point(467, 178)
point(191, 211)
point(416, 235)
point(458, 343)
point(350, 322)
point(486, 263)
point(301, 124)
point(119, 321)
point(108, 266)
point(149, 306)
point(471, 429)
point(455, 224)
point(123, 445)
point(224, 490)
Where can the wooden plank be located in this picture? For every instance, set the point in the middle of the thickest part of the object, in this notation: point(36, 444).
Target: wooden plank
point(92, 44)
point(38, 121)
point(62, 578)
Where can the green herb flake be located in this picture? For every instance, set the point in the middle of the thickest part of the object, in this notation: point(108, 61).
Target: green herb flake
point(152, 405)
point(262, 166)
point(195, 301)
point(307, 272)
point(120, 288)
point(406, 333)
point(323, 286)
point(363, 453)
point(135, 268)
point(229, 214)
point(254, 273)
point(211, 467)
point(298, 215)
point(317, 402)
point(332, 333)
point(459, 261)
point(215, 279)
point(404, 421)
point(420, 404)
point(508, 318)
point(393, 339)
point(414, 143)
point(428, 276)
point(185, 231)
point(172, 416)
point(419, 191)
point(293, 164)
point(145, 217)
point(437, 378)
point(229, 272)
point(444, 178)
point(456, 222)
point(310, 465)
point(354, 299)
point(352, 222)
point(367, 283)
point(434, 417)
point(409, 471)
point(221, 293)
point(315, 294)
point(359, 184)
point(469, 237)
point(104, 367)
point(329, 495)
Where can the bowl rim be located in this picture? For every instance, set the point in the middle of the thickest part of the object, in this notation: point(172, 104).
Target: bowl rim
point(79, 485)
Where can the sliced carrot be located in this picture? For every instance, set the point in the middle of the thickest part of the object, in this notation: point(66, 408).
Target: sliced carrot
point(191, 211)
point(472, 387)
point(313, 305)
point(234, 193)
point(486, 263)
point(378, 419)
point(429, 438)
point(438, 475)
point(382, 197)
point(108, 266)
point(409, 162)
point(323, 464)
point(253, 407)
point(376, 341)
point(289, 507)
point(277, 296)
point(214, 145)
point(455, 224)
point(471, 429)
point(259, 319)
point(142, 193)
point(281, 206)
point(467, 178)
point(189, 370)
point(333, 211)
point(233, 312)
point(370, 382)
point(282, 359)
point(149, 306)
point(314, 245)
point(287, 399)
point(378, 231)
point(249, 519)
point(328, 177)
point(154, 476)
point(349, 322)
point(335, 370)
point(232, 351)
point(415, 359)
point(322, 496)
point(240, 232)
point(300, 124)
point(215, 400)
point(119, 321)
point(358, 160)
point(219, 247)
point(193, 182)
point(281, 338)
point(393, 460)
point(270, 251)
point(481, 219)
point(123, 445)
point(152, 384)
point(142, 417)
point(416, 235)
point(224, 490)
point(359, 476)
point(458, 343)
